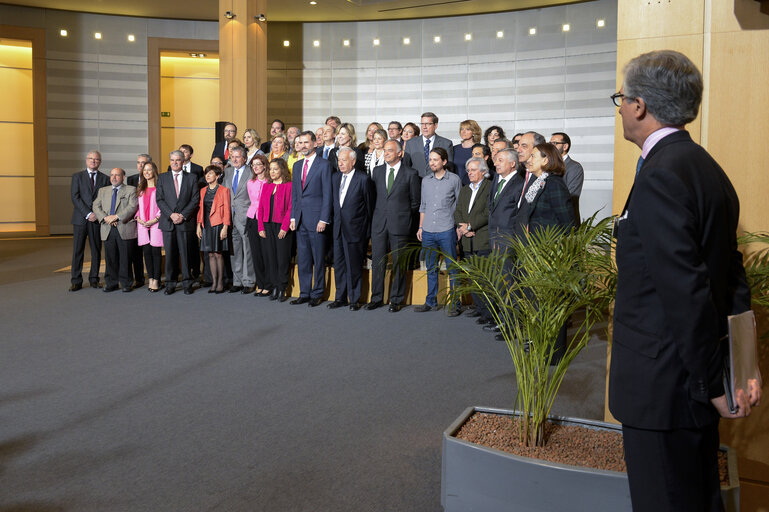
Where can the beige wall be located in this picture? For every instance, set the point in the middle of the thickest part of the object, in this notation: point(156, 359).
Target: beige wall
point(729, 41)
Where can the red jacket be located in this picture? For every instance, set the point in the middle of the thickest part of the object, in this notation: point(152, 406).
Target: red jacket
point(282, 207)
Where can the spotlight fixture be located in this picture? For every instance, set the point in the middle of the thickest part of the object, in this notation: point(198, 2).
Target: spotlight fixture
point(97, 35)
point(63, 32)
point(131, 38)
point(406, 40)
point(566, 27)
point(316, 43)
point(600, 23)
point(201, 55)
point(500, 34)
point(376, 42)
point(313, 2)
point(229, 15)
point(193, 55)
point(532, 31)
point(468, 37)
point(287, 43)
point(260, 17)
point(346, 42)
point(437, 39)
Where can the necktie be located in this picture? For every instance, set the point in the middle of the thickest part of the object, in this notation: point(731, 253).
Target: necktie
point(325, 153)
point(304, 172)
point(427, 150)
point(499, 189)
point(93, 180)
point(525, 184)
point(638, 165)
point(114, 201)
point(390, 179)
point(341, 189)
point(226, 152)
point(235, 182)
point(176, 183)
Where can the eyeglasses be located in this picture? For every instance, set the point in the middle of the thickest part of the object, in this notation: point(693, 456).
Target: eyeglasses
point(557, 143)
point(616, 98)
point(426, 124)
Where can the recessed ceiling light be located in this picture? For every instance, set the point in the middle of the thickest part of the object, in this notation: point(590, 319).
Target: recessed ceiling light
point(63, 32)
point(500, 34)
point(201, 55)
point(376, 42)
point(316, 43)
point(437, 39)
point(193, 55)
point(286, 43)
point(468, 37)
point(313, 2)
point(97, 35)
point(600, 23)
point(131, 38)
point(532, 31)
point(566, 27)
point(406, 40)
point(346, 42)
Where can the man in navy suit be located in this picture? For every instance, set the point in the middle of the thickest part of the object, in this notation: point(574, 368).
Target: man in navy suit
point(311, 210)
point(353, 207)
point(178, 196)
point(679, 276)
point(85, 186)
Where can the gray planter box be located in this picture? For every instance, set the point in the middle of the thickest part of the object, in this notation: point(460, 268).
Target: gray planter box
point(479, 479)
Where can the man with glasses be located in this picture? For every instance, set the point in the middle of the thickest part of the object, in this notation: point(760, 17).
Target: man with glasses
point(221, 148)
point(418, 149)
point(575, 175)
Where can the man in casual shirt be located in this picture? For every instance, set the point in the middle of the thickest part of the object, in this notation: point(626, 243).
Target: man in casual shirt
point(440, 191)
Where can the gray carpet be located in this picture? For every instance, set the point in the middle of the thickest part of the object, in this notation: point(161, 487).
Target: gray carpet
point(143, 402)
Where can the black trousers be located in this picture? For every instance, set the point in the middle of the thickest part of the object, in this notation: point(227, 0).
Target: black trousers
point(153, 257)
point(136, 261)
point(277, 256)
point(673, 470)
point(175, 243)
point(117, 259)
point(193, 255)
point(480, 303)
point(348, 268)
point(80, 232)
point(257, 253)
point(381, 243)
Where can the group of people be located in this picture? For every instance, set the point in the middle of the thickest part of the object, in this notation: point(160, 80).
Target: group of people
point(325, 198)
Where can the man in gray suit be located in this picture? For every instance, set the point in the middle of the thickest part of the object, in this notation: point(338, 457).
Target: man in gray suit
point(236, 179)
point(575, 175)
point(114, 208)
point(418, 149)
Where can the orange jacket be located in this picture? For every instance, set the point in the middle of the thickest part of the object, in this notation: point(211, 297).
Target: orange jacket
point(221, 210)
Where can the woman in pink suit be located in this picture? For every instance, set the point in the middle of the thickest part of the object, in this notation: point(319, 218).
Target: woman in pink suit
point(274, 216)
point(150, 237)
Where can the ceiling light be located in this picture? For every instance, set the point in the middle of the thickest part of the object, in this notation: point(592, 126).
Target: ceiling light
point(468, 37)
point(201, 55)
point(346, 42)
point(437, 39)
point(313, 2)
point(600, 23)
point(229, 15)
point(376, 42)
point(500, 34)
point(260, 17)
point(97, 35)
point(406, 40)
point(316, 43)
point(131, 38)
point(566, 27)
point(286, 43)
point(532, 31)
point(193, 55)
point(63, 32)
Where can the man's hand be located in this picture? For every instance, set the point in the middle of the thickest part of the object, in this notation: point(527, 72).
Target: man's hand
point(745, 400)
point(91, 217)
point(111, 220)
point(176, 218)
point(292, 227)
point(321, 227)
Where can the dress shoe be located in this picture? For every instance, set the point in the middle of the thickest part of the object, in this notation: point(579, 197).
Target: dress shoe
point(355, 307)
point(95, 284)
point(110, 288)
point(394, 308)
point(282, 296)
point(188, 290)
point(127, 289)
point(337, 304)
point(275, 295)
point(236, 289)
point(424, 308)
point(247, 290)
point(453, 312)
point(300, 300)
point(373, 305)
point(315, 302)
point(492, 327)
point(483, 321)
point(473, 313)
point(75, 287)
point(500, 337)
point(170, 290)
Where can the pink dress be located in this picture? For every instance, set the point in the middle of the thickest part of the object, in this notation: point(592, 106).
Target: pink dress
point(148, 210)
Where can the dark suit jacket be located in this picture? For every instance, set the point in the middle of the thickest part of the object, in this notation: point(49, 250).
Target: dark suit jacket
point(551, 207)
point(83, 194)
point(360, 159)
point(416, 150)
point(354, 217)
point(186, 203)
point(132, 180)
point(397, 210)
point(312, 203)
point(219, 148)
point(680, 275)
point(478, 216)
point(196, 170)
point(502, 212)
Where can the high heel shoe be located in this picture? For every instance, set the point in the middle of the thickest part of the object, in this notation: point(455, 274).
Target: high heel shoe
point(211, 290)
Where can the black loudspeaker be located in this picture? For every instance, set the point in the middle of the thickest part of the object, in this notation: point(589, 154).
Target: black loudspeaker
point(219, 130)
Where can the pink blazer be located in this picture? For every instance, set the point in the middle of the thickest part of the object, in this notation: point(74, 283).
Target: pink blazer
point(148, 210)
point(282, 212)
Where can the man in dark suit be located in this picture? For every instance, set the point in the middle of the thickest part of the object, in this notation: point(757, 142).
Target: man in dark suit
point(115, 208)
point(221, 148)
point(418, 149)
point(311, 210)
point(679, 276)
point(85, 187)
point(195, 170)
point(178, 196)
point(398, 193)
point(575, 175)
point(353, 206)
point(276, 127)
